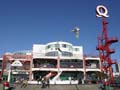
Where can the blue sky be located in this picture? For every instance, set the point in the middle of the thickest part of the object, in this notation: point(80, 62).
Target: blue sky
point(27, 22)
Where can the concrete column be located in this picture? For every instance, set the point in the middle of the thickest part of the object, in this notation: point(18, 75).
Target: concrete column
point(84, 67)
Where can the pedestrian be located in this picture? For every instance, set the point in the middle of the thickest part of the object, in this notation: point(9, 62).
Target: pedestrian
point(43, 83)
point(69, 78)
point(79, 81)
point(39, 79)
point(48, 83)
point(101, 85)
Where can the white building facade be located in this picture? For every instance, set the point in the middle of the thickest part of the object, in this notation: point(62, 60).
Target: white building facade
point(62, 61)
point(57, 61)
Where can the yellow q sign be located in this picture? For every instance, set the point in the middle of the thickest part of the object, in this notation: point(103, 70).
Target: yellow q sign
point(101, 11)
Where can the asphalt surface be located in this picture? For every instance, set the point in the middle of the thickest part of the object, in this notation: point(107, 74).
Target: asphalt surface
point(59, 87)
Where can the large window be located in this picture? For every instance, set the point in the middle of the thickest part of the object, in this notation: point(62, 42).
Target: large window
point(73, 75)
point(74, 63)
point(76, 49)
point(53, 46)
point(92, 64)
point(67, 46)
point(64, 45)
point(44, 63)
point(67, 53)
point(54, 53)
point(48, 47)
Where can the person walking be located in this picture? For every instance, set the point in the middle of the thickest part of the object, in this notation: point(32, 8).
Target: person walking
point(39, 80)
point(43, 83)
point(48, 83)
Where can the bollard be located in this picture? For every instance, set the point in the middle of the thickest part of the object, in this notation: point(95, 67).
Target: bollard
point(6, 85)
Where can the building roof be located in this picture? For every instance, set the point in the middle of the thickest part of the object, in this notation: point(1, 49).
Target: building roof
point(23, 52)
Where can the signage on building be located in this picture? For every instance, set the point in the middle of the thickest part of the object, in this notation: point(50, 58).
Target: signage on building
point(16, 63)
point(101, 11)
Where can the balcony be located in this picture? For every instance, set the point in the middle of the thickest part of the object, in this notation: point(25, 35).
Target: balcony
point(71, 65)
point(44, 65)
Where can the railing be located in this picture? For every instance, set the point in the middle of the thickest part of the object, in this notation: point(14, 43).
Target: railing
point(70, 66)
point(95, 66)
point(44, 66)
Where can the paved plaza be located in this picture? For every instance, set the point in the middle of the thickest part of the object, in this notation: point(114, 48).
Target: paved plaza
point(59, 87)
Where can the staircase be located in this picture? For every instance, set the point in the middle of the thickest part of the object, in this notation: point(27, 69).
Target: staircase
point(57, 76)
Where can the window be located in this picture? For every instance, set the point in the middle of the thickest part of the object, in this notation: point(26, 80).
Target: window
point(66, 53)
point(76, 49)
point(57, 45)
point(55, 53)
point(64, 45)
point(48, 47)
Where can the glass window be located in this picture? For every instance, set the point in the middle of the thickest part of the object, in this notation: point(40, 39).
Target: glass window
point(76, 49)
point(70, 48)
point(57, 46)
point(55, 53)
point(48, 47)
point(66, 53)
point(64, 45)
